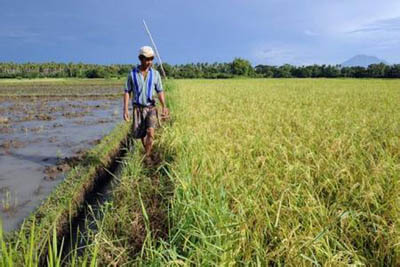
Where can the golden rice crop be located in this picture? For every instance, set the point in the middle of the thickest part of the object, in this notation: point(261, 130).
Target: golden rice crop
point(285, 172)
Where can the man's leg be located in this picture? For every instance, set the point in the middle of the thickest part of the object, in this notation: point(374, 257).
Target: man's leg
point(143, 142)
point(138, 125)
point(150, 123)
point(148, 141)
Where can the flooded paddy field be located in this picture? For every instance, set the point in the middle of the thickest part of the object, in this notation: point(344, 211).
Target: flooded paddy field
point(42, 136)
point(60, 87)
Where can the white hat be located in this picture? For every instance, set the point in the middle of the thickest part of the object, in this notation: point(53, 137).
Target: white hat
point(146, 51)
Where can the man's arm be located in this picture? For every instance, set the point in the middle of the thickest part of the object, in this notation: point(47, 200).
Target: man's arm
point(161, 96)
point(164, 109)
point(128, 90)
point(126, 106)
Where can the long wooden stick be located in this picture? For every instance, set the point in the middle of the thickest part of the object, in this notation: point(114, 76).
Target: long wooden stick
point(155, 48)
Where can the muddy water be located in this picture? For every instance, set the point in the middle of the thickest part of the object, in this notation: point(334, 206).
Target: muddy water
point(37, 134)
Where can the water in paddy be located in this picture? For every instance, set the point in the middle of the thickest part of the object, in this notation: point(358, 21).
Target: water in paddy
point(34, 136)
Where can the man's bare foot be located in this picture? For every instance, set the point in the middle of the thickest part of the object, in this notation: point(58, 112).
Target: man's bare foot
point(148, 161)
point(156, 158)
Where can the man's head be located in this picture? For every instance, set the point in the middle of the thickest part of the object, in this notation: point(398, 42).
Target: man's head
point(146, 56)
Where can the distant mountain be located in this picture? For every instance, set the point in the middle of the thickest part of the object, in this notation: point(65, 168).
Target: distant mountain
point(362, 61)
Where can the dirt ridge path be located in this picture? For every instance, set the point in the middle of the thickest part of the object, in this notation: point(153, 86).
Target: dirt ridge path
point(156, 219)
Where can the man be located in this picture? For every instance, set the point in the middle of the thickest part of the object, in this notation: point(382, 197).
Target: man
point(142, 82)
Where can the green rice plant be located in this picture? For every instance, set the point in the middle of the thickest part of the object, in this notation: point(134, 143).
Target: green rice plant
point(10, 252)
point(54, 252)
point(25, 244)
point(9, 203)
point(281, 172)
point(6, 251)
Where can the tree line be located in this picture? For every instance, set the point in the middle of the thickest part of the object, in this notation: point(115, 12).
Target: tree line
point(238, 67)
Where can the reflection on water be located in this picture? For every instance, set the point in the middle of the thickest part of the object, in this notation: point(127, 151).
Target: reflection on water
point(37, 135)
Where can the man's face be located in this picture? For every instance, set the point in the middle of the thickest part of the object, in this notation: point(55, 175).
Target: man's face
point(146, 62)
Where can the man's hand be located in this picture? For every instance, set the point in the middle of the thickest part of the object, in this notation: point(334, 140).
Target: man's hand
point(164, 113)
point(164, 110)
point(126, 115)
point(125, 108)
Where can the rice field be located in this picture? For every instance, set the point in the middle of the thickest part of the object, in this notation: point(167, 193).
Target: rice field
point(280, 172)
point(261, 172)
point(51, 87)
point(43, 135)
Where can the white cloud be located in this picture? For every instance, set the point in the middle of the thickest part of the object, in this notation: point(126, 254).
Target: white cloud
point(18, 33)
point(387, 25)
point(310, 33)
point(333, 18)
point(272, 55)
point(379, 36)
point(279, 54)
point(330, 32)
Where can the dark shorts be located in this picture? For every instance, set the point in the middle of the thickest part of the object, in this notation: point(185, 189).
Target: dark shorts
point(143, 118)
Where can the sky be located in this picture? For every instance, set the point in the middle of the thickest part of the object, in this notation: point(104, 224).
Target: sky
point(273, 32)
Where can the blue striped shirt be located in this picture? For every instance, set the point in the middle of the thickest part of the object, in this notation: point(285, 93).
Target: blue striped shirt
point(143, 88)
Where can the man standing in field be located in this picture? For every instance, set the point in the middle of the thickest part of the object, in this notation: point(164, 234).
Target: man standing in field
point(142, 82)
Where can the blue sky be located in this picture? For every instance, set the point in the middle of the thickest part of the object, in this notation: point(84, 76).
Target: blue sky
point(263, 31)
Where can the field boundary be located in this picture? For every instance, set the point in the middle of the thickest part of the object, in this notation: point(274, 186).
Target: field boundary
point(60, 208)
point(9, 96)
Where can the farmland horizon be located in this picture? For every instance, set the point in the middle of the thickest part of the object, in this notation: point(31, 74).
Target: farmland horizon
point(264, 32)
point(349, 62)
point(372, 68)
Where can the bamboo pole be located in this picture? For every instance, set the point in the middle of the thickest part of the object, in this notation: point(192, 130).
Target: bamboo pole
point(155, 48)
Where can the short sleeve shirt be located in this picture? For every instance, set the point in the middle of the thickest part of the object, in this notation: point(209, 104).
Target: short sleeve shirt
point(143, 88)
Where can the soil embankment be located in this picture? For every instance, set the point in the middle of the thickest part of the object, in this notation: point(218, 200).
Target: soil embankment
point(64, 204)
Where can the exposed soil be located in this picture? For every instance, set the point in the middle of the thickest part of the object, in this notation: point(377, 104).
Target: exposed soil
point(53, 172)
point(94, 142)
point(36, 132)
point(8, 144)
point(6, 130)
point(104, 121)
point(39, 89)
point(3, 120)
point(43, 117)
point(34, 129)
point(70, 115)
point(63, 165)
point(53, 139)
